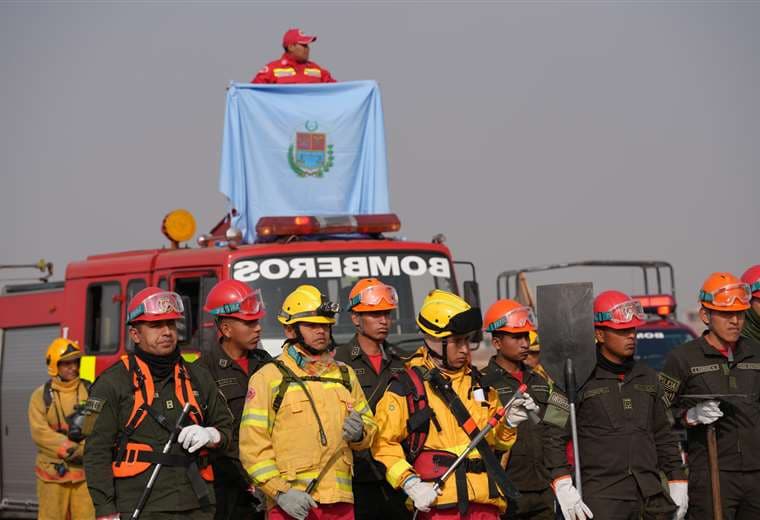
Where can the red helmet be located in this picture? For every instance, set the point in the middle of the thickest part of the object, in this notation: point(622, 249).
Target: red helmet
point(155, 304)
point(235, 299)
point(752, 277)
point(509, 316)
point(617, 310)
point(725, 292)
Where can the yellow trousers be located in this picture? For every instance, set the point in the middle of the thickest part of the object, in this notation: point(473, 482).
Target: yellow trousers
point(64, 501)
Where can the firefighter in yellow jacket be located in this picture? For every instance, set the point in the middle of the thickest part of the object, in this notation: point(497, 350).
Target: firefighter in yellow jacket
point(304, 415)
point(429, 415)
point(56, 428)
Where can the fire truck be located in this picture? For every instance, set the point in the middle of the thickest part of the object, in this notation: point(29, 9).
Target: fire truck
point(662, 331)
point(89, 305)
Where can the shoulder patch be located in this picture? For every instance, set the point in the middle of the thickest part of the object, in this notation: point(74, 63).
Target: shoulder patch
point(559, 400)
point(670, 386)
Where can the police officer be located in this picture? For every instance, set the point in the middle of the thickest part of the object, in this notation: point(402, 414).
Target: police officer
point(304, 415)
point(371, 303)
point(751, 327)
point(237, 310)
point(134, 406)
point(719, 362)
point(53, 412)
point(427, 417)
point(510, 325)
point(624, 435)
point(294, 65)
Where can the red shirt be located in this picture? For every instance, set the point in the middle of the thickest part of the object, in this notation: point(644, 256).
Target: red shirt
point(288, 70)
point(377, 362)
point(243, 363)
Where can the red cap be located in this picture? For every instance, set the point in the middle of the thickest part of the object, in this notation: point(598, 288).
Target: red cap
point(293, 36)
point(752, 278)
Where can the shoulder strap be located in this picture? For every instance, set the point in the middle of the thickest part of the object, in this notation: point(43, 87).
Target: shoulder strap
point(420, 413)
point(47, 394)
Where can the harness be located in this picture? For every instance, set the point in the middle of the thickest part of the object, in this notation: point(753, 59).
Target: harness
point(431, 464)
point(132, 458)
point(289, 377)
point(47, 399)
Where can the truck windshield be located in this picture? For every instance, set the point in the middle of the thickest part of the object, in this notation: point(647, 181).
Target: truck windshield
point(412, 273)
point(653, 346)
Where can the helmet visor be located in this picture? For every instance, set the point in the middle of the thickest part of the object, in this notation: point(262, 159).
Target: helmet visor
point(157, 304)
point(516, 318)
point(251, 304)
point(374, 294)
point(623, 313)
point(728, 295)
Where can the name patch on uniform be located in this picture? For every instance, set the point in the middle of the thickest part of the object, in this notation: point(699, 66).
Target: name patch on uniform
point(227, 381)
point(748, 366)
point(559, 401)
point(704, 369)
point(595, 391)
point(650, 389)
point(94, 405)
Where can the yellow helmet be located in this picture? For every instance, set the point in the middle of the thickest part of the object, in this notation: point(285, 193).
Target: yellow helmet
point(61, 349)
point(307, 304)
point(445, 314)
point(535, 344)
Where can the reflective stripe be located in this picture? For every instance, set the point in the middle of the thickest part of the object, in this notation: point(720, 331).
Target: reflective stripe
point(87, 368)
point(263, 471)
point(343, 480)
point(362, 407)
point(396, 471)
point(256, 417)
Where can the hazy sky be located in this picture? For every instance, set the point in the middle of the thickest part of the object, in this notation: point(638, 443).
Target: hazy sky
point(527, 133)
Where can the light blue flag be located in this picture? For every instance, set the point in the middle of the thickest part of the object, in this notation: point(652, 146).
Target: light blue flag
point(315, 149)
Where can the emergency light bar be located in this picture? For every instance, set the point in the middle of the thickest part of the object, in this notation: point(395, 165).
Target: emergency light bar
point(660, 304)
point(309, 225)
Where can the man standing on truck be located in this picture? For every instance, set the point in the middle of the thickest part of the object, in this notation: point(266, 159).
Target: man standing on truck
point(371, 303)
point(294, 65)
point(55, 421)
point(430, 413)
point(237, 310)
point(304, 415)
point(134, 407)
point(510, 324)
point(751, 327)
point(624, 435)
point(720, 371)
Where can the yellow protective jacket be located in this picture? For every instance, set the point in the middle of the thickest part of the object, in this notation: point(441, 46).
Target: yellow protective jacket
point(283, 449)
point(53, 447)
point(392, 414)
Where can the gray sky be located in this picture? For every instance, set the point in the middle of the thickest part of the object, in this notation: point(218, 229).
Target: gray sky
point(527, 133)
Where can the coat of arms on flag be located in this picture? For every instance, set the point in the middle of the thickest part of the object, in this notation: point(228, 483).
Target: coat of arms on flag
point(310, 154)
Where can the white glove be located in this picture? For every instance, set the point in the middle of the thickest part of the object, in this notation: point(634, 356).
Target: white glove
point(114, 516)
point(679, 493)
point(195, 436)
point(423, 494)
point(296, 503)
point(569, 500)
point(706, 412)
point(518, 412)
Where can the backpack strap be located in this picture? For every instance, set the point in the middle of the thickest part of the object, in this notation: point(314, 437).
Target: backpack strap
point(410, 384)
point(47, 394)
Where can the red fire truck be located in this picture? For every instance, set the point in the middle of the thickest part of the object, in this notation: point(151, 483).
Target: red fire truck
point(89, 306)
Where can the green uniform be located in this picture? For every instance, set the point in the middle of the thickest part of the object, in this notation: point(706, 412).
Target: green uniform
point(110, 405)
point(233, 500)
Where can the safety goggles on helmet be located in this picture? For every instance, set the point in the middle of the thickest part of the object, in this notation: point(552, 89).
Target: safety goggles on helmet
point(516, 318)
point(326, 309)
point(728, 295)
point(156, 304)
point(373, 295)
point(251, 304)
point(623, 312)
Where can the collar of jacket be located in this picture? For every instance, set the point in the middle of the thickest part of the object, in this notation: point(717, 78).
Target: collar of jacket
point(59, 385)
point(386, 349)
point(493, 365)
point(423, 358)
point(306, 361)
point(287, 59)
point(740, 351)
point(638, 370)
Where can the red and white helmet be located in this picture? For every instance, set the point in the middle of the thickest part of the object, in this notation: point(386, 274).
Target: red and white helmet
point(617, 310)
point(235, 299)
point(155, 304)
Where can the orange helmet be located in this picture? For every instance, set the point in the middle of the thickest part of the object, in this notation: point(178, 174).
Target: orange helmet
point(509, 316)
point(725, 292)
point(752, 278)
point(370, 294)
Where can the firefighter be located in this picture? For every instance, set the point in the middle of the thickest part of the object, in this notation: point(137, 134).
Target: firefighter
point(237, 311)
point(721, 361)
point(371, 303)
point(55, 423)
point(510, 325)
point(624, 436)
point(751, 327)
point(429, 415)
point(304, 415)
point(133, 409)
point(294, 65)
